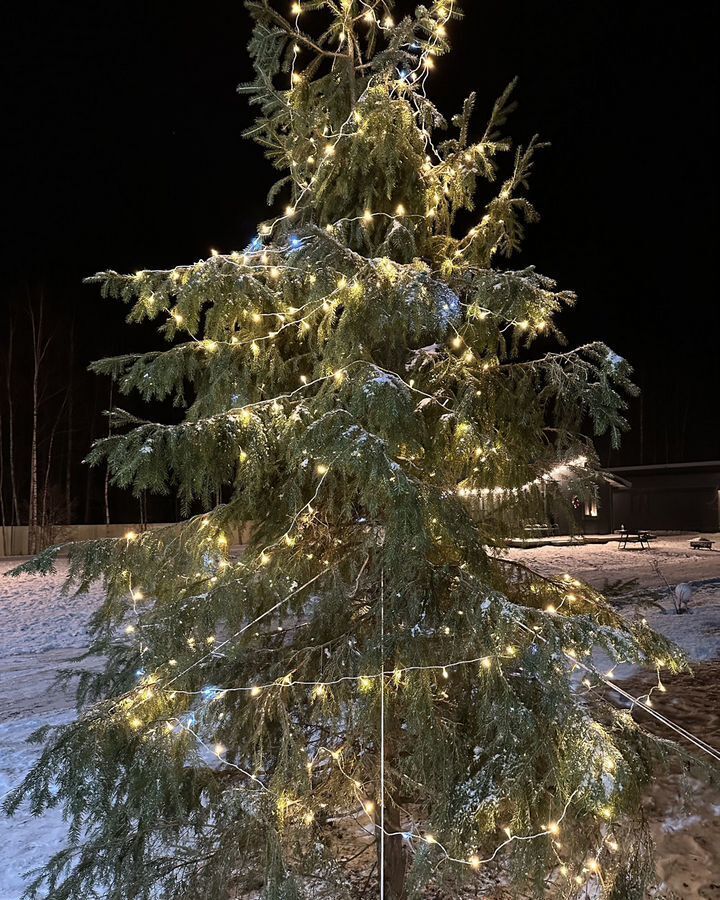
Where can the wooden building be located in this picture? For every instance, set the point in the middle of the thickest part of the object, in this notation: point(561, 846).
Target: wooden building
point(670, 497)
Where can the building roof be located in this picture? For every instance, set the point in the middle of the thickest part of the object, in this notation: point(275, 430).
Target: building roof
point(615, 480)
point(711, 464)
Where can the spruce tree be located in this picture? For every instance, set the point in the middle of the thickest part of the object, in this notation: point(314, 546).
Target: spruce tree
point(363, 403)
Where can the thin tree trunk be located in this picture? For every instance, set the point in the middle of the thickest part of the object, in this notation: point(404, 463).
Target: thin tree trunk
point(89, 469)
point(107, 467)
point(39, 350)
point(15, 509)
point(46, 523)
point(69, 447)
point(33, 499)
point(3, 521)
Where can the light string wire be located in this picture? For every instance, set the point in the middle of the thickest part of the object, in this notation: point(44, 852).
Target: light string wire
point(382, 681)
point(382, 735)
point(215, 650)
point(445, 668)
point(474, 862)
point(698, 742)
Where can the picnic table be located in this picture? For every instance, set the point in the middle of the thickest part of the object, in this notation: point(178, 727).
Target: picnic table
point(702, 544)
point(634, 536)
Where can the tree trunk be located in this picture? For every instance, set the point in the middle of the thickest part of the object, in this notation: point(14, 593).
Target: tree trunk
point(89, 471)
point(33, 498)
point(107, 467)
point(3, 521)
point(47, 513)
point(14, 507)
point(395, 868)
point(69, 447)
point(40, 348)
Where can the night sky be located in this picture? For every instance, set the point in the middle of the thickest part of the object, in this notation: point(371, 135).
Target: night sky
point(122, 137)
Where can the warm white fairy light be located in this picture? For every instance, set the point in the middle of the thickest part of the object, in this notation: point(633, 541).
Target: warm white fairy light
point(367, 682)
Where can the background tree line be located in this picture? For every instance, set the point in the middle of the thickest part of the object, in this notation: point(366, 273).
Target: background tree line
point(51, 410)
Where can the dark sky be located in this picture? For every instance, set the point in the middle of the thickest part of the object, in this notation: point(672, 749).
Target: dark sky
point(122, 136)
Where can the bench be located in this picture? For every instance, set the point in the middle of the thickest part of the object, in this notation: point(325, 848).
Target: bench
point(538, 530)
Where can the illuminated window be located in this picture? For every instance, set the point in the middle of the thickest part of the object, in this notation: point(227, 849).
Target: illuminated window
point(591, 509)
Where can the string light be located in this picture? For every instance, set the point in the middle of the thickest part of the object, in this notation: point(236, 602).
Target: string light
point(365, 682)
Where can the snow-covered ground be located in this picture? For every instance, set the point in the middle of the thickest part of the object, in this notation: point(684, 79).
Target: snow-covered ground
point(604, 564)
point(644, 581)
point(41, 630)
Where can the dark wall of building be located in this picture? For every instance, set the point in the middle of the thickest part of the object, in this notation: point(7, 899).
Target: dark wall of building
point(669, 500)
